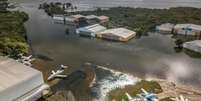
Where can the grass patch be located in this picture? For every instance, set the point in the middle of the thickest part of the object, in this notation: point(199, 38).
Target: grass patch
point(133, 90)
point(166, 99)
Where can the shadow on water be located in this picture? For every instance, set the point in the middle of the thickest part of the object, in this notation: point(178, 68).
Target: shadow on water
point(44, 57)
point(71, 82)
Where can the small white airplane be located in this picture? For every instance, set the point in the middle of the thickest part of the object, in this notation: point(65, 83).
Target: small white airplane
point(131, 98)
point(148, 96)
point(181, 98)
point(26, 60)
point(57, 74)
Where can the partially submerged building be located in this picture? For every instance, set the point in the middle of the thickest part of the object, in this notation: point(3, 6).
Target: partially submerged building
point(193, 46)
point(103, 19)
point(58, 19)
point(91, 30)
point(92, 19)
point(80, 20)
point(69, 21)
point(117, 34)
point(166, 28)
point(188, 29)
point(20, 82)
point(78, 17)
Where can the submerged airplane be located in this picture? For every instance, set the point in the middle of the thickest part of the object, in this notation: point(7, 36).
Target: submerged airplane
point(26, 60)
point(181, 98)
point(57, 74)
point(148, 96)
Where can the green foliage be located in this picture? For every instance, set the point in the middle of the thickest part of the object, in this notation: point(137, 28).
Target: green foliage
point(12, 33)
point(166, 99)
point(53, 8)
point(3, 6)
point(179, 42)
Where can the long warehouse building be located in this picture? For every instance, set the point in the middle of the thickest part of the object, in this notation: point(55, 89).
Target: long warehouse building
point(20, 82)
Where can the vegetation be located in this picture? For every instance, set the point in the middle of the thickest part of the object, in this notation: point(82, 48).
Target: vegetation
point(166, 99)
point(133, 90)
point(56, 8)
point(179, 42)
point(143, 20)
point(12, 33)
point(3, 5)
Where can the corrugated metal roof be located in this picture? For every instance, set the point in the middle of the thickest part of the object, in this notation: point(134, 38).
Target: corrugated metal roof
point(17, 79)
point(121, 32)
point(93, 28)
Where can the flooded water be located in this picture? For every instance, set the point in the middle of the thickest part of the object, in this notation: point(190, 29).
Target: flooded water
point(149, 56)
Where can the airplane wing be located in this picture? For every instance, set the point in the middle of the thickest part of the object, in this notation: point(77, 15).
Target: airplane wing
point(182, 98)
point(144, 91)
point(129, 97)
point(29, 56)
point(140, 95)
point(61, 76)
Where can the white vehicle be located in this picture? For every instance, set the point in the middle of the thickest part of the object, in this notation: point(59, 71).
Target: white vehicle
point(148, 96)
point(57, 74)
point(181, 98)
point(131, 98)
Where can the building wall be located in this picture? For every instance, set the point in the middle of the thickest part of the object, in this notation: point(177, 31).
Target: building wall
point(109, 37)
point(84, 33)
point(22, 88)
point(184, 32)
point(128, 38)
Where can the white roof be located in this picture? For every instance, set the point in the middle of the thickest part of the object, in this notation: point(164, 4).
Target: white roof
point(192, 26)
point(103, 17)
point(17, 79)
point(193, 45)
point(93, 28)
point(69, 19)
point(166, 26)
point(91, 16)
point(58, 17)
point(77, 16)
point(121, 32)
